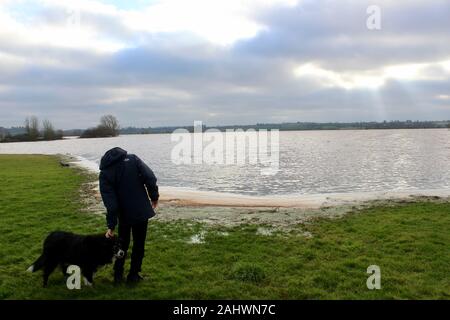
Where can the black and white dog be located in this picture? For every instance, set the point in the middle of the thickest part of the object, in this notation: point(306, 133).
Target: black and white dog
point(87, 252)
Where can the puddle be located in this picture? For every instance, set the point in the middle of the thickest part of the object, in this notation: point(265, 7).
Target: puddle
point(198, 238)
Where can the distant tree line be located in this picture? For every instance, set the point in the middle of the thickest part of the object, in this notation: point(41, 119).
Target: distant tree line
point(302, 126)
point(32, 131)
point(408, 124)
point(109, 127)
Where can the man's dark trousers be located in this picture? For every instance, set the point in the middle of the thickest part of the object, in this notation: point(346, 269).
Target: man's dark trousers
point(139, 231)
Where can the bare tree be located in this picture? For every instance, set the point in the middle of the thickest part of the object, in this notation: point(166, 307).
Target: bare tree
point(108, 127)
point(32, 127)
point(3, 133)
point(49, 130)
point(110, 124)
point(27, 125)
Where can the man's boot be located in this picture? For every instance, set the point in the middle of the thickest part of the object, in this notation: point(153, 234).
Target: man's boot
point(134, 278)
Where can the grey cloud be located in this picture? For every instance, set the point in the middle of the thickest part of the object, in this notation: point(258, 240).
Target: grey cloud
point(181, 78)
point(334, 33)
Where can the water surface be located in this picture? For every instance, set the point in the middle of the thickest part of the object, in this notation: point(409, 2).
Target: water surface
point(311, 162)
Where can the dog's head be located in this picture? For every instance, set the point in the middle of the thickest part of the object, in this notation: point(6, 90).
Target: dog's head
point(118, 252)
point(105, 249)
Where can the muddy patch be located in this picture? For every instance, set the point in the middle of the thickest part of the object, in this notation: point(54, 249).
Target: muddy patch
point(231, 216)
point(264, 231)
point(90, 196)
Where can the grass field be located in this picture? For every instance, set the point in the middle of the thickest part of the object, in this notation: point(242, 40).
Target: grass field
point(410, 243)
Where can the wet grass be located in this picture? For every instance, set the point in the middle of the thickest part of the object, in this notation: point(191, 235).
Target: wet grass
point(409, 242)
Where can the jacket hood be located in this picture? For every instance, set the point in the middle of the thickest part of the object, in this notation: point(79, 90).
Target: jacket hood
point(111, 157)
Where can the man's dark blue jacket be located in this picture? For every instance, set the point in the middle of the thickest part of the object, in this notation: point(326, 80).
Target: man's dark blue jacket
point(126, 183)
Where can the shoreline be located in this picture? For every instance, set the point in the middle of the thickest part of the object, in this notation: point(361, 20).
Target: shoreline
point(198, 198)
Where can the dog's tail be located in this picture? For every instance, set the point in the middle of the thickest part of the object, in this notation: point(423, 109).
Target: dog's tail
point(37, 265)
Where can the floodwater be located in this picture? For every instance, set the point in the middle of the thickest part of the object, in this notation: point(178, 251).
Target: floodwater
point(310, 162)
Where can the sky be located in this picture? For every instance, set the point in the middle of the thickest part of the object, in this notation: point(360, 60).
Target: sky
point(171, 62)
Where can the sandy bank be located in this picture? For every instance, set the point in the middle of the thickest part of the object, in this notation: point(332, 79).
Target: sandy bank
point(186, 197)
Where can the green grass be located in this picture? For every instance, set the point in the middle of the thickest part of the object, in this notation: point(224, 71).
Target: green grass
point(410, 243)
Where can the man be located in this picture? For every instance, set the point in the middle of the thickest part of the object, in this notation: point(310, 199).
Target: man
point(126, 183)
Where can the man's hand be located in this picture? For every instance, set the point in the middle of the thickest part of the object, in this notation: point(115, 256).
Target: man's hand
point(109, 233)
point(154, 204)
